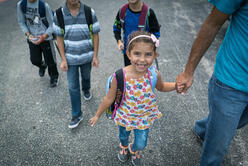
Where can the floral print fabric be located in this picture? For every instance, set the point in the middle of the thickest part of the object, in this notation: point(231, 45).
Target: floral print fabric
point(139, 108)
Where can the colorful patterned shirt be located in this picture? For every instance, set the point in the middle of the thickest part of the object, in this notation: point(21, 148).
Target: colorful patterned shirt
point(139, 108)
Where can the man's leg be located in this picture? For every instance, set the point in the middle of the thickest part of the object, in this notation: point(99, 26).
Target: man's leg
point(226, 106)
point(74, 90)
point(86, 76)
point(36, 57)
point(200, 125)
point(50, 58)
point(244, 119)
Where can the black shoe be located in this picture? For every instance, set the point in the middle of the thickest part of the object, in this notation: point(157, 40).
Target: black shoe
point(199, 139)
point(87, 95)
point(54, 82)
point(42, 70)
point(75, 122)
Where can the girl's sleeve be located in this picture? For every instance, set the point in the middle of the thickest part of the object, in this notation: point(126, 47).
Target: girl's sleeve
point(154, 26)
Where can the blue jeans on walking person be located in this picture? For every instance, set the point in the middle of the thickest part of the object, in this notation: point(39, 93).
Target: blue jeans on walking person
point(228, 111)
point(140, 138)
point(74, 85)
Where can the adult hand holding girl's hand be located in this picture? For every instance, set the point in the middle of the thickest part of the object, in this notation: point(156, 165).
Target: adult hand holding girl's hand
point(93, 120)
point(184, 82)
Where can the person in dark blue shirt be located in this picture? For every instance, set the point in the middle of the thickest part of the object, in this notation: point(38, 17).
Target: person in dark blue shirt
point(131, 23)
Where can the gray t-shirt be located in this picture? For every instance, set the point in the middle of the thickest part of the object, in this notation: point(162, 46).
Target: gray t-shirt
point(32, 22)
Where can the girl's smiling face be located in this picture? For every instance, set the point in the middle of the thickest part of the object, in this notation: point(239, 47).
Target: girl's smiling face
point(142, 55)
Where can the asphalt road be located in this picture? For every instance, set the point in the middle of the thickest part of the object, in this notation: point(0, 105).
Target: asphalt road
point(34, 118)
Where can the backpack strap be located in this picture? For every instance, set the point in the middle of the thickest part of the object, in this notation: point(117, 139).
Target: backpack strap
point(122, 14)
point(88, 15)
point(89, 21)
point(41, 7)
point(24, 6)
point(120, 78)
point(143, 16)
point(153, 77)
point(60, 19)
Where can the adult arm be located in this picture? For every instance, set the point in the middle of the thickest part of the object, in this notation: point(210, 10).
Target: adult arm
point(205, 37)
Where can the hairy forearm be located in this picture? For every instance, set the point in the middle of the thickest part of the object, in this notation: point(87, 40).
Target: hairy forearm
point(200, 46)
point(205, 37)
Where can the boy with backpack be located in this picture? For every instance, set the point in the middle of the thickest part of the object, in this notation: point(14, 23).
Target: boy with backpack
point(36, 19)
point(77, 28)
point(133, 16)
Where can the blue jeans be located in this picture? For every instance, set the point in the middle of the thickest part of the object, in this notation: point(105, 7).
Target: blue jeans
point(74, 85)
point(140, 138)
point(228, 111)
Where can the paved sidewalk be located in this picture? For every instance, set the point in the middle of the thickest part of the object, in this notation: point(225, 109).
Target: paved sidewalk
point(34, 118)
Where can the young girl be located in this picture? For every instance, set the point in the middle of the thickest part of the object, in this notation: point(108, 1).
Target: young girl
point(139, 108)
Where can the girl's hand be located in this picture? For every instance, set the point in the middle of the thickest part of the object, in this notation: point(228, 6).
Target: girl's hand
point(93, 120)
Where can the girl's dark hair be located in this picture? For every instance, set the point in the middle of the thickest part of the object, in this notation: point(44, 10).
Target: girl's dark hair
point(140, 39)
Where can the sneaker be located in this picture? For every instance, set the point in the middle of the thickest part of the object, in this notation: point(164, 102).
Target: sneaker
point(87, 95)
point(199, 139)
point(54, 82)
point(135, 156)
point(75, 122)
point(42, 69)
point(123, 153)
